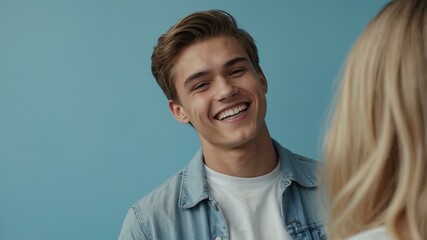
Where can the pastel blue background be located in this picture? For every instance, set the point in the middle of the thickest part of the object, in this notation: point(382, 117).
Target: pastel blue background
point(84, 129)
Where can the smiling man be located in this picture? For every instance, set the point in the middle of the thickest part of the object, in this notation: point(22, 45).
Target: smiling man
point(241, 184)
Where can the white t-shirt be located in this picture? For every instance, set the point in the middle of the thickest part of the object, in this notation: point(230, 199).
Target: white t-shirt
point(378, 233)
point(252, 206)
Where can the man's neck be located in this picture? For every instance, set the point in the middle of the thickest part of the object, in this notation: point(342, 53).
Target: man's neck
point(255, 158)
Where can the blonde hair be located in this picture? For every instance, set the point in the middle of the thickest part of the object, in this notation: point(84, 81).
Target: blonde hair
point(375, 150)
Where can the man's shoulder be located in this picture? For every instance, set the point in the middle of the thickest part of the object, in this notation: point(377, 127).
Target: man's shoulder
point(310, 166)
point(284, 152)
point(164, 195)
point(298, 167)
point(154, 209)
point(306, 161)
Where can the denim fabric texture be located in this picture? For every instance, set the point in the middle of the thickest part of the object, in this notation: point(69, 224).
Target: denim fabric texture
point(182, 208)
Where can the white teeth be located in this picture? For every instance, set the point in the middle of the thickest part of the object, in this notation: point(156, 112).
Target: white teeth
point(233, 111)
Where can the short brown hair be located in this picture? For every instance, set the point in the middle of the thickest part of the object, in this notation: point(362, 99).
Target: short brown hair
point(192, 28)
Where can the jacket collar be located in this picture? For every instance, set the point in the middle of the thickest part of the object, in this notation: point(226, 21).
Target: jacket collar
point(294, 168)
point(194, 187)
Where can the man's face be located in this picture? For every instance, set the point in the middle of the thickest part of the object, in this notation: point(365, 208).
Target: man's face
point(219, 92)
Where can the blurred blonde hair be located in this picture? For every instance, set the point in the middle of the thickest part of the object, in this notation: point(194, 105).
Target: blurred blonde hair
point(375, 149)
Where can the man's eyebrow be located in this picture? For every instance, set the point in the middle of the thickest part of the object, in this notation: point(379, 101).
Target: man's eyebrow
point(195, 76)
point(234, 61)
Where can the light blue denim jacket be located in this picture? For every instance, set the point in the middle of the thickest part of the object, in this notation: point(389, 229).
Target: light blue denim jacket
point(182, 208)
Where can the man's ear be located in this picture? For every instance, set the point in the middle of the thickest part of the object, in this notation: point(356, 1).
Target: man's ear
point(263, 80)
point(178, 112)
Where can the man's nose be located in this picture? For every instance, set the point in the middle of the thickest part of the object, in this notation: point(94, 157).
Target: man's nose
point(225, 88)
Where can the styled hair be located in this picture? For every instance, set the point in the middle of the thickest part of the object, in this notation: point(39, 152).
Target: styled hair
point(376, 146)
point(192, 28)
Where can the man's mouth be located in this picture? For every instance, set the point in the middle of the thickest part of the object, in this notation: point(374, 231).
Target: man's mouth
point(232, 111)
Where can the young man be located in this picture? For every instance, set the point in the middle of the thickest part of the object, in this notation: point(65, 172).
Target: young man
point(241, 184)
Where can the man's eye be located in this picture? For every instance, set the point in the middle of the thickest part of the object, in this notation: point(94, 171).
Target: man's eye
point(200, 86)
point(236, 72)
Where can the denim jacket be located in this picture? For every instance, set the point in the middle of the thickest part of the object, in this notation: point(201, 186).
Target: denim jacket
point(182, 208)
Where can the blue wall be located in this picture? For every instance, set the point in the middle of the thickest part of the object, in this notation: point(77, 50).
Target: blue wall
point(84, 129)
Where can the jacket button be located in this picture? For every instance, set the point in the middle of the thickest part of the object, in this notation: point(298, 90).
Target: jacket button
point(218, 238)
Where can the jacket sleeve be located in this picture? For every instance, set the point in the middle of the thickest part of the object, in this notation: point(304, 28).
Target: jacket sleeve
point(131, 229)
